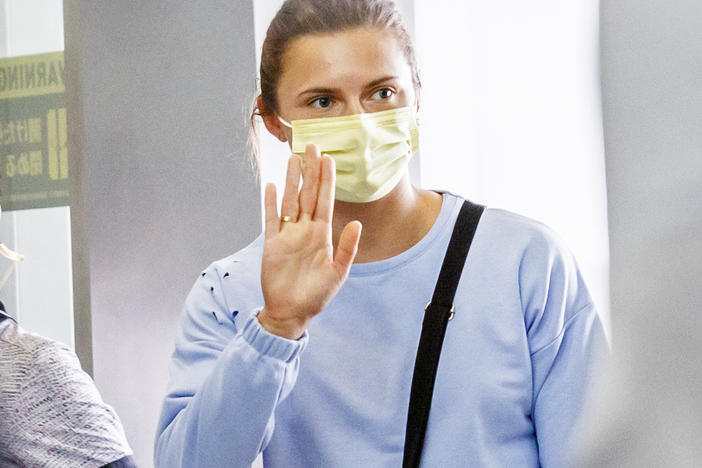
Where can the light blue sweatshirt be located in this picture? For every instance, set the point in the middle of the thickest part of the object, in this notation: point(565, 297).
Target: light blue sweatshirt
point(516, 361)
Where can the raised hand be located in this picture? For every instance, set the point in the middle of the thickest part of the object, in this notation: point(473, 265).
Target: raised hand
point(301, 272)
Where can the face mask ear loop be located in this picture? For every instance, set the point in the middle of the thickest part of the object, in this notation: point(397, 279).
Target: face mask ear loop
point(10, 254)
point(14, 257)
point(10, 269)
point(285, 122)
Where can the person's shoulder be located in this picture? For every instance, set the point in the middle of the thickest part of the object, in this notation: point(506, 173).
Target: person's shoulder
point(224, 289)
point(503, 231)
point(240, 265)
point(19, 351)
point(519, 225)
point(24, 345)
point(54, 353)
point(246, 259)
point(507, 228)
point(545, 266)
point(29, 358)
point(46, 356)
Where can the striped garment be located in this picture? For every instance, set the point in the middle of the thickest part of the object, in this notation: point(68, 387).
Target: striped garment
point(51, 414)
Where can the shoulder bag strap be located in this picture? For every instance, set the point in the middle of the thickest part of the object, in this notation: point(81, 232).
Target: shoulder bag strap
point(436, 316)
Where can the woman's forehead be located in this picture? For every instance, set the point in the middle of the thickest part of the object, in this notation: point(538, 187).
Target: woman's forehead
point(348, 58)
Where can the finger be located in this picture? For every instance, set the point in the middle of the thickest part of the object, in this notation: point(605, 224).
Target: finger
point(325, 201)
point(272, 220)
point(347, 248)
point(310, 182)
point(290, 204)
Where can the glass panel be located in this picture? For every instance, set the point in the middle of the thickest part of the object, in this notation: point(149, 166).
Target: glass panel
point(34, 167)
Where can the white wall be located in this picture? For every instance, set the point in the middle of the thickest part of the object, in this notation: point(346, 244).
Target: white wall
point(651, 413)
point(40, 292)
point(33, 26)
point(511, 115)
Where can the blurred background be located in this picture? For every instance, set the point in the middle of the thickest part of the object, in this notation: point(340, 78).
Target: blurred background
point(585, 115)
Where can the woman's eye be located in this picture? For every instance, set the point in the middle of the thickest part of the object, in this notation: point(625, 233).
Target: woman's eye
point(383, 93)
point(321, 103)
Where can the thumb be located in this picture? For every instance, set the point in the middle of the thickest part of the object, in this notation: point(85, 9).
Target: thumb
point(347, 248)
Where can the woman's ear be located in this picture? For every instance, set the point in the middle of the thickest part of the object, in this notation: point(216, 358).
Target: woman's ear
point(270, 120)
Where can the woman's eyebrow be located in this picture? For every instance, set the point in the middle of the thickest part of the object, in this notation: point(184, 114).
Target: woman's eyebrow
point(318, 91)
point(322, 90)
point(381, 80)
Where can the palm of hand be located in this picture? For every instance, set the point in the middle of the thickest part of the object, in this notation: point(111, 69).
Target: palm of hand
point(298, 269)
point(300, 273)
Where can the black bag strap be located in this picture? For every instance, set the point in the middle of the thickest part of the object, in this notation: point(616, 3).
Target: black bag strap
point(436, 316)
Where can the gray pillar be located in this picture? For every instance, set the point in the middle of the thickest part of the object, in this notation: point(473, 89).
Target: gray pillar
point(158, 97)
point(652, 93)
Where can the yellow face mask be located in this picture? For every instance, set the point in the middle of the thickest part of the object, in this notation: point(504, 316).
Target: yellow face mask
point(371, 150)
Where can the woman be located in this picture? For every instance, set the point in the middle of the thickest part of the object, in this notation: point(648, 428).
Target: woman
point(341, 76)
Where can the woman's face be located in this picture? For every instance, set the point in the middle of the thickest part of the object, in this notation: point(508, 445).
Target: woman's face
point(345, 73)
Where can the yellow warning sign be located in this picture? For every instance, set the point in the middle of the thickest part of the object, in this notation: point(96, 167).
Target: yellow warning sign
point(33, 132)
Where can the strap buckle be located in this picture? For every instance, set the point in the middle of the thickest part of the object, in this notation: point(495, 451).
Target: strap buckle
point(451, 312)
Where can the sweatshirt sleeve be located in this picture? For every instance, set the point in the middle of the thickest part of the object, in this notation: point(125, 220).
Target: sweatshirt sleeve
point(225, 384)
point(567, 344)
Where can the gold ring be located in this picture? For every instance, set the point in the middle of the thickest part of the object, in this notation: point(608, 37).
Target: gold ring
point(285, 219)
